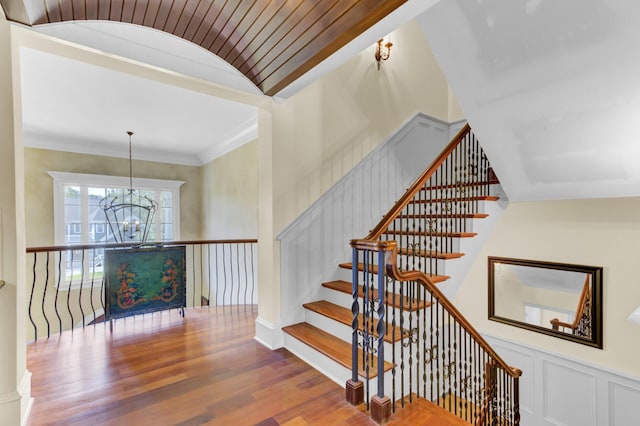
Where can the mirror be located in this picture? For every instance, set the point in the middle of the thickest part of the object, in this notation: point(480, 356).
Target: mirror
point(557, 299)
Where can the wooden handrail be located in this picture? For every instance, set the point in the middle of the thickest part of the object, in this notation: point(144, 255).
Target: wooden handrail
point(125, 245)
point(391, 254)
point(556, 323)
point(376, 232)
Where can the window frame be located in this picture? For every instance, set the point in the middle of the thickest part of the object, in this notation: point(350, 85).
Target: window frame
point(83, 180)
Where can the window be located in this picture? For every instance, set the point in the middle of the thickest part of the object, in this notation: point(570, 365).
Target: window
point(79, 219)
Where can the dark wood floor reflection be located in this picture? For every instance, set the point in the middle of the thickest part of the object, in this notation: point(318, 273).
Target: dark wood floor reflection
point(161, 369)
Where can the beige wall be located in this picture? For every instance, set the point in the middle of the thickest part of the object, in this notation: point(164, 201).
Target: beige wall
point(15, 380)
point(590, 232)
point(230, 194)
point(39, 187)
point(320, 133)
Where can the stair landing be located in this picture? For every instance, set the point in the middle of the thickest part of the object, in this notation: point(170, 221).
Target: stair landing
point(422, 413)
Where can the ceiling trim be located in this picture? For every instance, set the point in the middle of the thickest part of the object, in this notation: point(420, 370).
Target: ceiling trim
point(242, 134)
point(54, 142)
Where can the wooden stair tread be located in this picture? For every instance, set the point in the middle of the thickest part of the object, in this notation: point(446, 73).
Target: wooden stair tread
point(452, 199)
point(429, 254)
point(344, 316)
point(461, 185)
point(331, 346)
point(423, 412)
point(432, 234)
point(443, 216)
point(434, 278)
point(345, 287)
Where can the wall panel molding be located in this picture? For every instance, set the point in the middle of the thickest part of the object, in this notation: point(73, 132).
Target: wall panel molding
point(561, 391)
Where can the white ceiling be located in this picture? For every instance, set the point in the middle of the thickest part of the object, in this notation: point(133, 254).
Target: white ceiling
point(551, 89)
point(74, 106)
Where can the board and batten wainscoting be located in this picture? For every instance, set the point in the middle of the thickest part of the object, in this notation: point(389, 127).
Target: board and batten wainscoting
point(556, 390)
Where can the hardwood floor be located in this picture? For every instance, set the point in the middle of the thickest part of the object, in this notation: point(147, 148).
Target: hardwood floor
point(161, 369)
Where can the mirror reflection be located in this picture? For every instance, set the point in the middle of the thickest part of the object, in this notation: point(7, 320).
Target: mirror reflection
point(556, 299)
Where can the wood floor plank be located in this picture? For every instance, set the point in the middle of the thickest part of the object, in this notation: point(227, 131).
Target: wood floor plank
point(161, 369)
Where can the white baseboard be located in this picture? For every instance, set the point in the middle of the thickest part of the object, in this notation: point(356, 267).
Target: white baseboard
point(269, 334)
point(15, 406)
point(26, 401)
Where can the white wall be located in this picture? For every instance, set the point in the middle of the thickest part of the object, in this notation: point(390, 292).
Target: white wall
point(313, 245)
point(603, 232)
point(15, 382)
point(230, 194)
point(319, 134)
point(323, 131)
point(39, 188)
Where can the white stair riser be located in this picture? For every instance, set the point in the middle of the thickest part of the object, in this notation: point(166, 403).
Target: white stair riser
point(341, 331)
point(345, 300)
point(332, 369)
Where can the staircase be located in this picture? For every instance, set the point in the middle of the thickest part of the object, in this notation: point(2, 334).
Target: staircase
point(395, 331)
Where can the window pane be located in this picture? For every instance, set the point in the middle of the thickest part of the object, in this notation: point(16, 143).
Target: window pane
point(72, 215)
point(167, 232)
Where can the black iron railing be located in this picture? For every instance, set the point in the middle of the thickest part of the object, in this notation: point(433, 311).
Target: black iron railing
point(434, 352)
point(438, 207)
point(67, 283)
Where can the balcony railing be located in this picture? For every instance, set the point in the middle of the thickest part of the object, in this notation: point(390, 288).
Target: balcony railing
point(66, 284)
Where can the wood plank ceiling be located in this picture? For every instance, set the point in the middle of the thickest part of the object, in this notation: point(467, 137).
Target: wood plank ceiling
point(272, 42)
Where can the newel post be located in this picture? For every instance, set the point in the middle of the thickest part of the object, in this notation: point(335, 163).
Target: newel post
point(354, 387)
point(381, 404)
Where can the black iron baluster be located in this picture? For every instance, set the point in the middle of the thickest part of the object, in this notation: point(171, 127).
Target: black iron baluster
point(201, 275)
point(217, 271)
point(454, 363)
point(33, 286)
point(209, 283)
point(366, 318)
point(102, 295)
point(93, 276)
point(402, 346)
point(246, 276)
point(69, 292)
point(81, 284)
point(253, 275)
point(44, 295)
point(391, 306)
point(424, 342)
point(237, 268)
point(224, 276)
point(381, 329)
point(410, 341)
point(355, 311)
point(432, 360)
point(193, 275)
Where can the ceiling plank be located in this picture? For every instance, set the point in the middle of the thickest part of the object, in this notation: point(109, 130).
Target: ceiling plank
point(271, 42)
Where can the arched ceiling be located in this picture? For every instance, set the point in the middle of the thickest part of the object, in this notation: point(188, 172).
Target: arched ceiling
point(271, 42)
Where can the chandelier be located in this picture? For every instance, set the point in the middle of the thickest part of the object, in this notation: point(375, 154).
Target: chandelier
point(129, 213)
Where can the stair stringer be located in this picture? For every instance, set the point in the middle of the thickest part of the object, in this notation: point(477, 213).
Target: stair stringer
point(318, 240)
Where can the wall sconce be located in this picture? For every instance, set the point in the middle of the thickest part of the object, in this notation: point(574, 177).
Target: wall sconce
point(635, 316)
point(381, 54)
